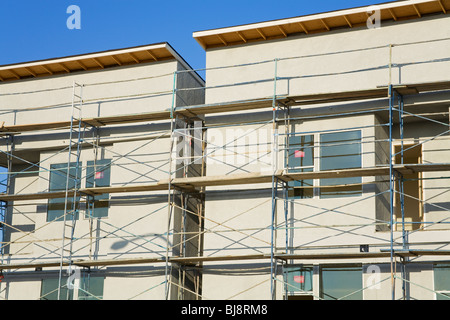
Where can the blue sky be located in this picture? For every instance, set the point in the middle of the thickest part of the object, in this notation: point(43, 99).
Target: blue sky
point(34, 30)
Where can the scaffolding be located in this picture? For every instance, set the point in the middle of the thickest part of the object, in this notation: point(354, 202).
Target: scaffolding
point(187, 182)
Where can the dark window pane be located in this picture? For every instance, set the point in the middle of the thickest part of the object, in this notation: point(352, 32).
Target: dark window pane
point(442, 277)
point(58, 176)
point(342, 187)
point(300, 158)
point(301, 189)
point(301, 151)
point(91, 288)
point(340, 150)
point(49, 289)
point(98, 174)
point(341, 283)
point(298, 278)
point(56, 209)
point(58, 182)
point(443, 296)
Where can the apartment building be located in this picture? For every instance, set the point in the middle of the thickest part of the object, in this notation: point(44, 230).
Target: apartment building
point(311, 164)
point(131, 91)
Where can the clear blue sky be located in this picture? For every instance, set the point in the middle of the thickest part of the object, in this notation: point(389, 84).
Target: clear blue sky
point(36, 29)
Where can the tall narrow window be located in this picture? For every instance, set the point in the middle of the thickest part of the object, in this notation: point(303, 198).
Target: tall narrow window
point(300, 158)
point(58, 180)
point(298, 280)
point(340, 150)
point(442, 281)
point(341, 283)
point(409, 190)
point(98, 174)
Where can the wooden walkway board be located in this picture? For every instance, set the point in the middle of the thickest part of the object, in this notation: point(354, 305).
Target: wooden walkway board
point(204, 259)
point(235, 179)
point(234, 106)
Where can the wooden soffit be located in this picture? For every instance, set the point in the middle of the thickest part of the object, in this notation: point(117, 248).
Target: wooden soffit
point(318, 23)
point(88, 62)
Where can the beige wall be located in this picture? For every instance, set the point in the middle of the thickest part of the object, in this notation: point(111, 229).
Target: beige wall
point(103, 97)
point(250, 76)
point(351, 67)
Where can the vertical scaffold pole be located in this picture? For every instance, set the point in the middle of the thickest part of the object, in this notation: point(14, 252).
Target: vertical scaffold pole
point(7, 189)
point(391, 173)
point(169, 191)
point(391, 189)
point(402, 195)
point(288, 231)
point(274, 183)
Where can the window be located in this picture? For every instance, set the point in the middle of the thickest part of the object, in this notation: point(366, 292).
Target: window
point(411, 187)
point(340, 150)
point(98, 174)
point(58, 177)
point(300, 158)
point(49, 289)
point(442, 282)
point(298, 279)
point(341, 283)
point(90, 288)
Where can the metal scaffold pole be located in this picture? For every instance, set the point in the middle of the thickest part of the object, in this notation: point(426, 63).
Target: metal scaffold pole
point(391, 195)
point(285, 186)
point(274, 184)
point(6, 186)
point(170, 200)
point(401, 191)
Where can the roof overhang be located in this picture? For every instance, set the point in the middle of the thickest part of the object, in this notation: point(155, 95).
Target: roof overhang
point(92, 61)
point(317, 23)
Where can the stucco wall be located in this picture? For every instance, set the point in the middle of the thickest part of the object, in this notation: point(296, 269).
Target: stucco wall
point(331, 62)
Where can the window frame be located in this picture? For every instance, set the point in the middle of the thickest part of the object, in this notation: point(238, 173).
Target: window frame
point(300, 189)
point(346, 269)
point(91, 184)
point(51, 285)
point(439, 292)
point(355, 189)
point(291, 290)
point(52, 215)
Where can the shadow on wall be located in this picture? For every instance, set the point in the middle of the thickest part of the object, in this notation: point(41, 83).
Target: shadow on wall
point(123, 243)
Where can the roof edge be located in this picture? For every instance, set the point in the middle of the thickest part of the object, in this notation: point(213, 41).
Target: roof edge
point(149, 53)
point(198, 35)
point(84, 55)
